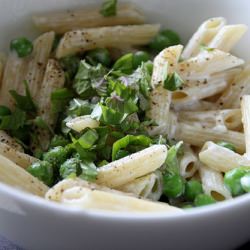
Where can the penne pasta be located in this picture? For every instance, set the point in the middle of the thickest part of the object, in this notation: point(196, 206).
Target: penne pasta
point(148, 187)
point(220, 158)
point(42, 47)
point(160, 99)
point(12, 174)
point(53, 79)
point(230, 118)
point(198, 92)
point(213, 184)
point(74, 193)
point(81, 122)
point(127, 169)
point(188, 161)
point(203, 36)
point(21, 159)
point(8, 140)
point(238, 88)
point(197, 136)
point(207, 63)
point(227, 37)
point(64, 21)
point(13, 77)
point(111, 37)
point(245, 109)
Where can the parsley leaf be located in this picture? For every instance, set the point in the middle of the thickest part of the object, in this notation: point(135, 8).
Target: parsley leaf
point(125, 64)
point(109, 8)
point(89, 80)
point(24, 103)
point(60, 98)
point(173, 82)
point(89, 171)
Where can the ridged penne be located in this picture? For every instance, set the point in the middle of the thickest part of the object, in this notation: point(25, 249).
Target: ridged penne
point(160, 99)
point(53, 79)
point(42, 47)
point(13, 77)
point(220, 158)
point(74, 193)
point(8, 140)
point(127, 169)
point(203, 36)
point(197, 136)
point(148, 187)
point(245, 109)
point(64, 21)
point(13, 175)
point(213, 183)
point(227, 37)
point(207, 63)
point(240, 86)
point(230, 118)
point(188, 162)
point(81, 122)
point(199, 91)
point(21, 159)
point(111, 37)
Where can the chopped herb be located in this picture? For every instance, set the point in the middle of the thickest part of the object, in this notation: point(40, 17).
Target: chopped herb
point(227, 145)
point(205, 48)
point(109, 8)
point(60, 98)
point(88, 139)
point(173, 82)
point(124, 64)
point(24, 103)
point(40, 123)
point(89, 171)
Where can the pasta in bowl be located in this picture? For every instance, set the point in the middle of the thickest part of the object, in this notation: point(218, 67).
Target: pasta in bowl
point(123, 117)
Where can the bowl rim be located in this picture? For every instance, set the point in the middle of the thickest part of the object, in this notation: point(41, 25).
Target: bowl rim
point(37, 202)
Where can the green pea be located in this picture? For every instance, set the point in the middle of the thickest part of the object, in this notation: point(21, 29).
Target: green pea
point(59, 140)
point(56, 156)
point(22, 46)
point(232, 180)
point(164, 39)
point(173, 186)
point(227, 145)
point(192, 189)
point(4, 110)
point(139, 57)
point(99, 55)
point(203, 200)
point(245, 182)
point(43, 170)
point(70, 167)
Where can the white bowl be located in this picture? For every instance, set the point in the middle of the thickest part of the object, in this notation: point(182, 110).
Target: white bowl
point(34, 223)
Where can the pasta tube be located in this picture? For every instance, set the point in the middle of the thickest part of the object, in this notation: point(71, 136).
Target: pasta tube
point(53, 79)
point(13, 175)
point(112, 37)
point(207, 63)
point(21, 159)
point(42, 47)
point(228, 36)
point(127, 169)
point(203, 36)
point(8, 140)
point(197, 136)
point(64, 21)
point(188, 164)
point(148, 187)
point(213, 184)
point(245, 109)
point(13, 77)
point(220, 158)
point(239, 87)
point(74, 193)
